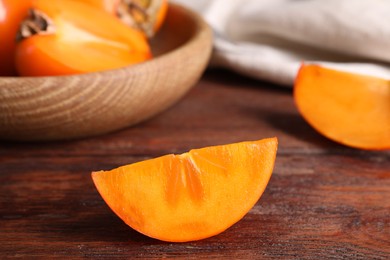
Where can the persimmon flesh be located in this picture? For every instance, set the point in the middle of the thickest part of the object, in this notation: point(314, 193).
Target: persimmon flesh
point(109, 6)
point(348, 108)
point(74, 38)
point(191, 196)
point(144, 15)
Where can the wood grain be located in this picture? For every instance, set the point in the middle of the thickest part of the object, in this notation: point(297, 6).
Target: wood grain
point(324, 201)
point(53, 108)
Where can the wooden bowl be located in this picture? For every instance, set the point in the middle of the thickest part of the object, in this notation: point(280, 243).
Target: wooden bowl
point(67, 107)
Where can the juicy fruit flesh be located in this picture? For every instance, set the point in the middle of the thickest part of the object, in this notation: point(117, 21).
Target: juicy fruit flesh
point(79, 44)
point(144, 15)
point(351, 109)
point(190, 196)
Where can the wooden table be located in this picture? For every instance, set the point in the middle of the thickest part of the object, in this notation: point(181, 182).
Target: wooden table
point(323, 201)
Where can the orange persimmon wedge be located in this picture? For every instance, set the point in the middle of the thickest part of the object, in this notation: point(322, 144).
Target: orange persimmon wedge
point(350, 109)
point(191, 196)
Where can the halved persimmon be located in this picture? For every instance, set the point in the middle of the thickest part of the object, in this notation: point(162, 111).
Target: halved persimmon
point(190, 196)
point(62, 37)
point(144, 15)
point(348, 108)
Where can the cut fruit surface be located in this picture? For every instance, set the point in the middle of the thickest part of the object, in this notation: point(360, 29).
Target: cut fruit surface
point(190, 196)
point(65, 37)
point(146, 16)
point(351, 109)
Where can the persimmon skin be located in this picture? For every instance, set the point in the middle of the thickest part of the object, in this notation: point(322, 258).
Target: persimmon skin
point(85, 40)
point(192, 196)
point(12, 13)
point(350, 109)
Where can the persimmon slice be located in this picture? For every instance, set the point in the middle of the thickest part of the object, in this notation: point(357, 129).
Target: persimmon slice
point(191, 196)
point(351, 109)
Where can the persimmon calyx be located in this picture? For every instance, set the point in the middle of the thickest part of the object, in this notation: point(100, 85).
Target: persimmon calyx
point(36, 22)
point(139, 14)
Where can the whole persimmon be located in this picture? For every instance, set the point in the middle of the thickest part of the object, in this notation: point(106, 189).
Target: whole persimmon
point(12, 13)
point(62, 37)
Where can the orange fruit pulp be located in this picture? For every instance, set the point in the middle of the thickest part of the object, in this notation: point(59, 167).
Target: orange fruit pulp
point(145, 15)
point(351, 109)
point(191, 196)
point(84, 39)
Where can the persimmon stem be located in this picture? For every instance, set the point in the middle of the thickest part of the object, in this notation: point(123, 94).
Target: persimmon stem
point(36, 22)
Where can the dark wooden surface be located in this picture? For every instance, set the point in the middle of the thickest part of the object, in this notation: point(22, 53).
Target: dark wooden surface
point(323, 201)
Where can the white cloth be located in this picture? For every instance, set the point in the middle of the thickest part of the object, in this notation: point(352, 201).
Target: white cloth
point(269, 39)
